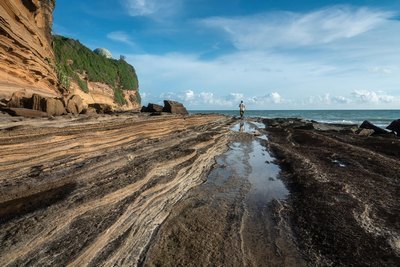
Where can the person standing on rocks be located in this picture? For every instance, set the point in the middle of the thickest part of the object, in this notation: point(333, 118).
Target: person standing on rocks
point(242, 107)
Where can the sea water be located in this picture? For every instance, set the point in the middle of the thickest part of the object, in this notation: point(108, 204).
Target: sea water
point(380, 118)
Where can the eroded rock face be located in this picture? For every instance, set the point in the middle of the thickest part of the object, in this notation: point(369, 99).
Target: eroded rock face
point(25, 47)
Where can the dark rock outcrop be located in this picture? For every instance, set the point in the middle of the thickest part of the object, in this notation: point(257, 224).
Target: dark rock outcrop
point(101, 108)
point(395, 127)
point(174, 107)
point(154, 108)
point(369, 125)
point(151, 107)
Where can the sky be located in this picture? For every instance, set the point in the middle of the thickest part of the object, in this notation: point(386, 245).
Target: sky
point(211, 54)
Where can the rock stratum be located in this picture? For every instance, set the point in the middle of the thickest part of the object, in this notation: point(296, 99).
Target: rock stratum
point(93, 191)
point(25, 48)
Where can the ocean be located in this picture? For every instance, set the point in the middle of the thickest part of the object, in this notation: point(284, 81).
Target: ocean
point(380, 118)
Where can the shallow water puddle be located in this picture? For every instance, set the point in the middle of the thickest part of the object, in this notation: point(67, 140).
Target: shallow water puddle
point(263, 174)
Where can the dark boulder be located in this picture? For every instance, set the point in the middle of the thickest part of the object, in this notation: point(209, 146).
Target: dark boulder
point(154, 108)
point(174, 107)
point(151, 107)
point(377, 130)
point(144, 109)
point(395, 127)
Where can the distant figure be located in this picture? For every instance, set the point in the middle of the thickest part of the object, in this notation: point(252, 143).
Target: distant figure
point(242, 108)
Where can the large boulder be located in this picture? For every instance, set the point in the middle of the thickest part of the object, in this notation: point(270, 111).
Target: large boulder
point(74, 105)
point(154, 108)
point(377, 130)
point(144, 109)
point(151, 107)
point(174, 107)
point(395, 127)
point(54, 107)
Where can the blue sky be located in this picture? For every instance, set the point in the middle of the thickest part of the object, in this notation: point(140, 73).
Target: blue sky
point(271, 54)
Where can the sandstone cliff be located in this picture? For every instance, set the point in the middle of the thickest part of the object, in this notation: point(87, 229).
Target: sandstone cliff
point(32, 61)
point(25, 47)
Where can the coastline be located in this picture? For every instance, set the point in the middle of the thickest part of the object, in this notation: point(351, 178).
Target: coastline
point(120, 183)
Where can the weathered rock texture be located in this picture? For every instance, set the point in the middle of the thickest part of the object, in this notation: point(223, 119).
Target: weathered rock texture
point(92, 192)
point(25, 47)
point(345, 199)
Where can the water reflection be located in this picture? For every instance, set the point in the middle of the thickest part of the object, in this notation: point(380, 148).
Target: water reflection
point(242, 129)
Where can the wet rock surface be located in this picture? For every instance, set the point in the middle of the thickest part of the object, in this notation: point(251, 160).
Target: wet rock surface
point(344, 201)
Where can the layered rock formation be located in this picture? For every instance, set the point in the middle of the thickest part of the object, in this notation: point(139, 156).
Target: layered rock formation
point(25, 48)
point(93, 192)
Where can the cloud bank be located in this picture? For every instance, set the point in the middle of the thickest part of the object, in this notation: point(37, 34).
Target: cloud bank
point(336, 57)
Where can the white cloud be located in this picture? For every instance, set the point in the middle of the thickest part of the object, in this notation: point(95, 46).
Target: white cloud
point(381, 70)
point(120, 36)
point(276, 97)
point(365, 96)
point(188, 95)
point(159, 8)
point(288, 29)
point(235, 97)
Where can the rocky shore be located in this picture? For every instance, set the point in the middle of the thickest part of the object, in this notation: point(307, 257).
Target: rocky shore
point(344, 206)
point(135, 189)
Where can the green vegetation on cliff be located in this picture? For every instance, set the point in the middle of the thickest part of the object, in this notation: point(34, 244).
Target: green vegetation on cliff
point(72, 58)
